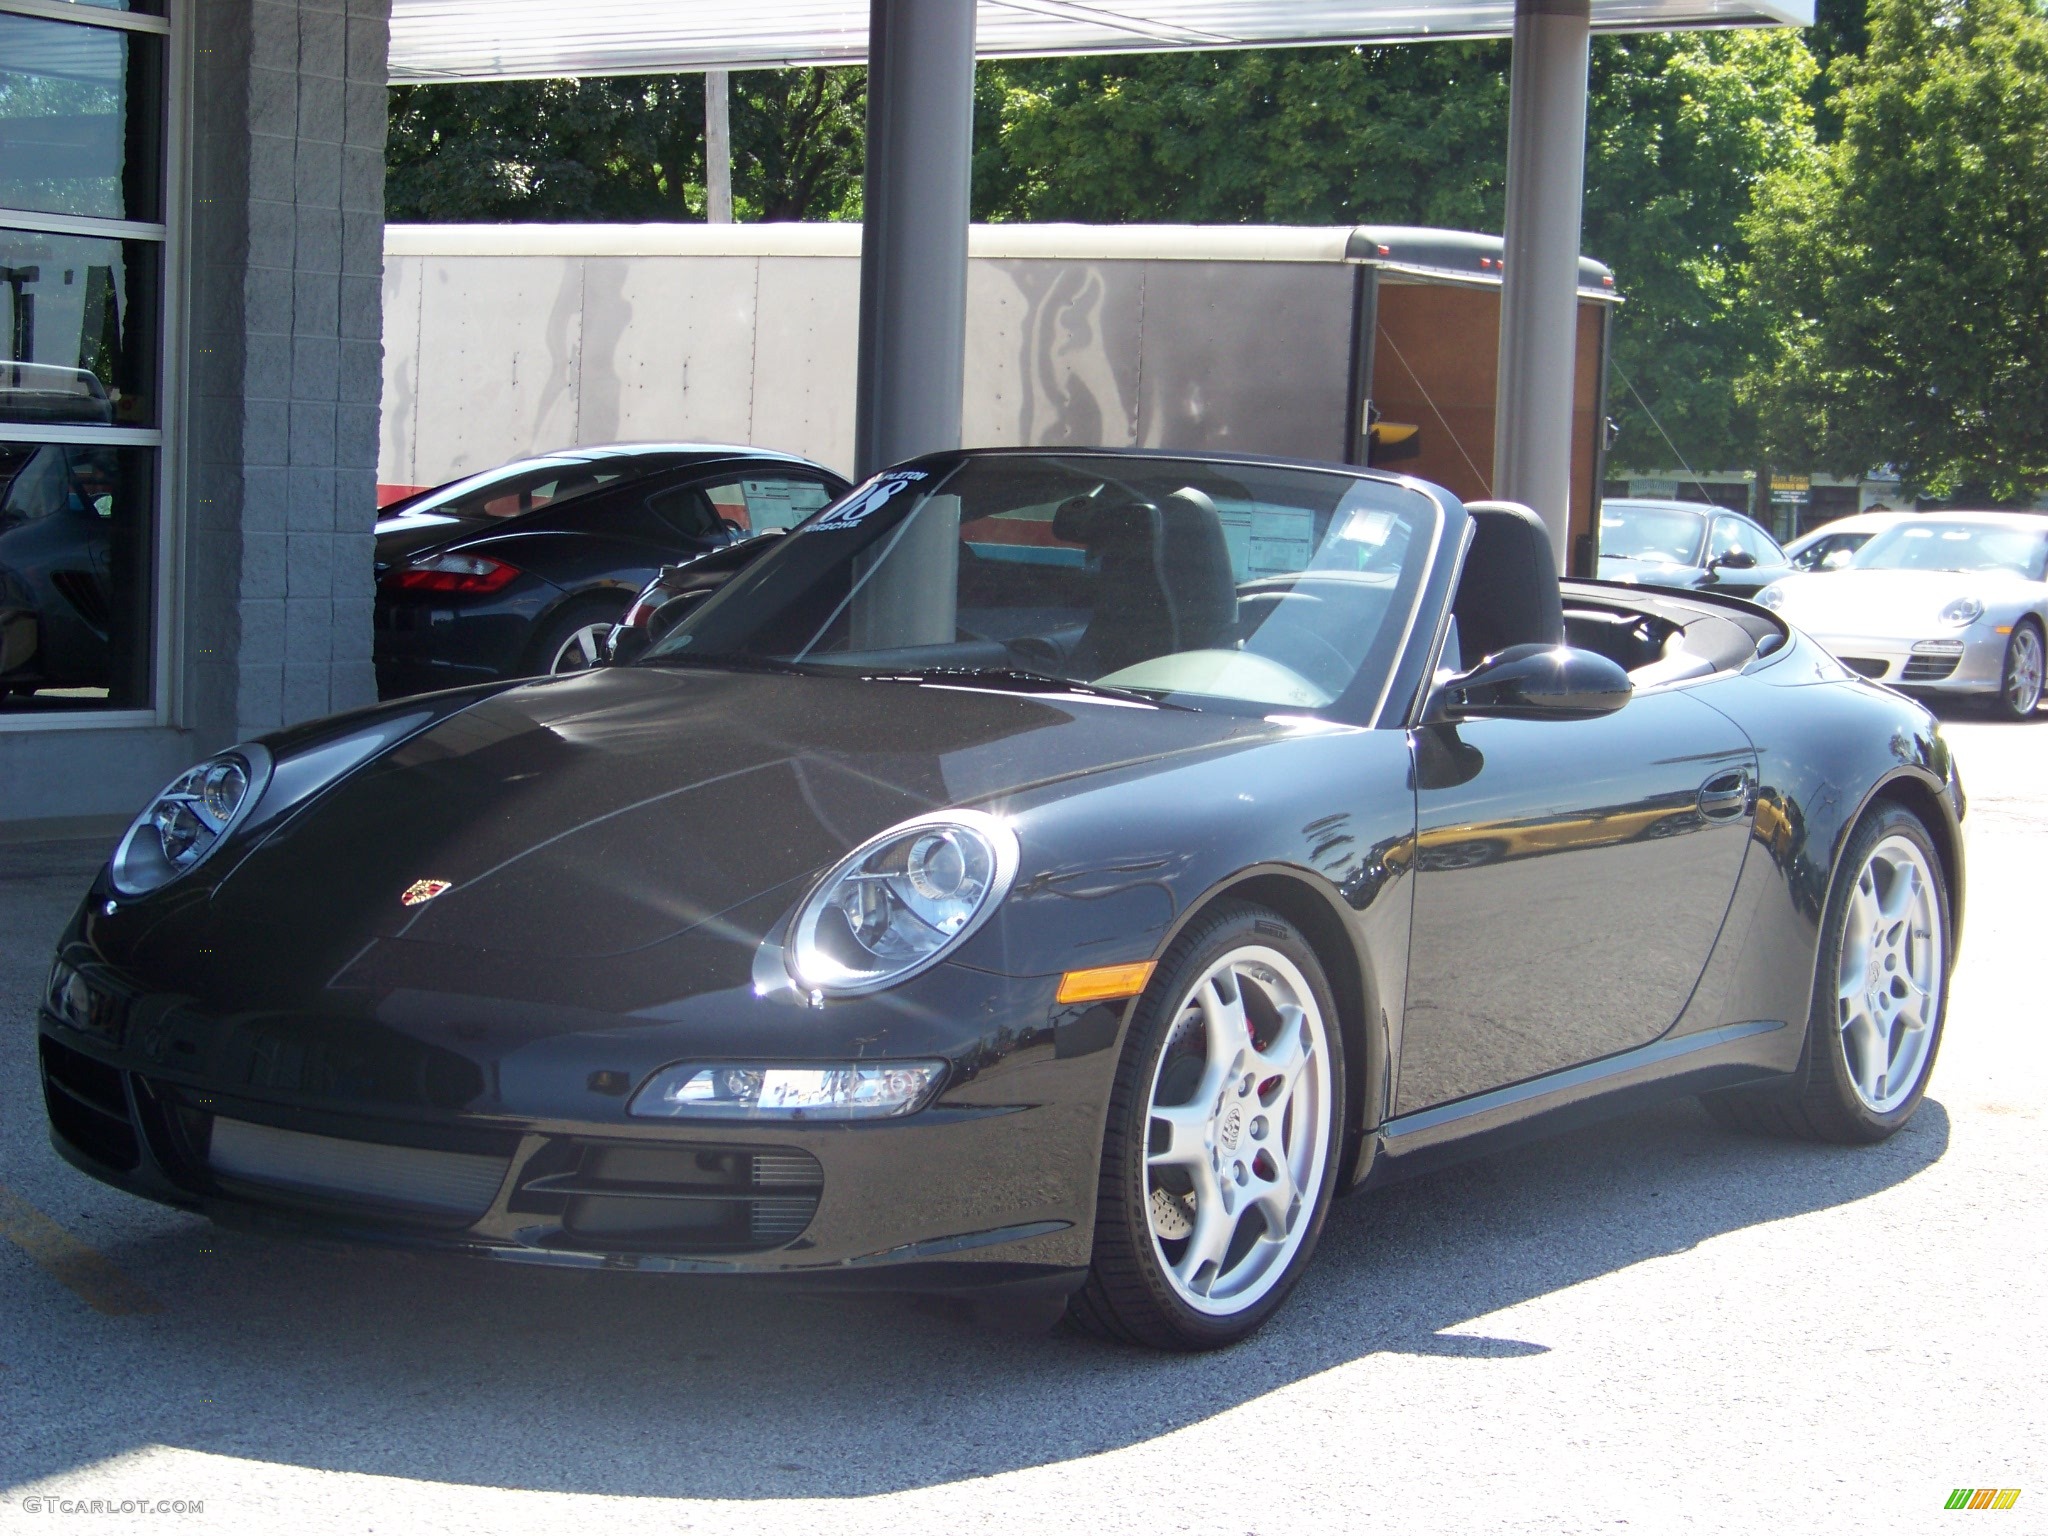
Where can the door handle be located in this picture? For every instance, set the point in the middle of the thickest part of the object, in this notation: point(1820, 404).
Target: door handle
point(1728, 796)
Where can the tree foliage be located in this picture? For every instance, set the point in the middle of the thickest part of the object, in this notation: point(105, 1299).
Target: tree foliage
point(625, 149)
point(1905, 265)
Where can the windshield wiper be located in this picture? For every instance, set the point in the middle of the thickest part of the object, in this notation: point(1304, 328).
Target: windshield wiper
point(1023, 680)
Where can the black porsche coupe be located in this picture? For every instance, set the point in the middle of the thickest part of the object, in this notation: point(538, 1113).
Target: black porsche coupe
point(1061, 872)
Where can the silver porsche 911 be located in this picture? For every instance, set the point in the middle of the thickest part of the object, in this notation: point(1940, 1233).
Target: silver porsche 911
point(1952, 603)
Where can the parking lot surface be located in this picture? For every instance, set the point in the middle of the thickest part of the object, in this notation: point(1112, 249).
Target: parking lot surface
point(1649, 1325)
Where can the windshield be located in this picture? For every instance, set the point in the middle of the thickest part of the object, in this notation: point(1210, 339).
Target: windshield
point(1631, 531)
point(516, 488)
point(1956, 546)
point(1213, 586)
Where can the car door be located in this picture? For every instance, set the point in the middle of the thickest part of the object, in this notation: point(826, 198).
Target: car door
point(1570, 879)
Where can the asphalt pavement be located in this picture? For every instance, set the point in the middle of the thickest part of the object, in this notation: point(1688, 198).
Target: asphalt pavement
point(1649, 1325)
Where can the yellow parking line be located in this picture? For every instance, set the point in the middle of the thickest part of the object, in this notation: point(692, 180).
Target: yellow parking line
point(78, 1265)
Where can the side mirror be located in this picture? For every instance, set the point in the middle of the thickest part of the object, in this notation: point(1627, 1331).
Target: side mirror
point(1838, 559)
point(1734, 560)
point(1534, 682)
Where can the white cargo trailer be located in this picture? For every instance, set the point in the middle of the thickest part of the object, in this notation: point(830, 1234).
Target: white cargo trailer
point(1359, 345)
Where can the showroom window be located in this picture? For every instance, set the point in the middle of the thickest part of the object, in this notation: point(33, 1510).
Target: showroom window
point(85, 246)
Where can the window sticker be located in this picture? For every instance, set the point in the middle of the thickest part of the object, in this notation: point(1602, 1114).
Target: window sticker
point(862, 504)
point(781, 503)
point(1266, 540)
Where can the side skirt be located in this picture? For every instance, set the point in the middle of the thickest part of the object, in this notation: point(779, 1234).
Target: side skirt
point(1668, 1068)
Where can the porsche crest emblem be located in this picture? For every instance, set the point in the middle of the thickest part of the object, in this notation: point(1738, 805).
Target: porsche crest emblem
point(422, 891)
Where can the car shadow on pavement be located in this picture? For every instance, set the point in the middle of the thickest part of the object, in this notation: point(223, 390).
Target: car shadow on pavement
point(456, 1371)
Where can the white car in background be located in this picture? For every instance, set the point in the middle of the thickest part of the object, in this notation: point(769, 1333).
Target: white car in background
point(1831, 546)
point(1941, 603)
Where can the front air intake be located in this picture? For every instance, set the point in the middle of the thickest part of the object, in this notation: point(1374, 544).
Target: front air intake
point(432, 1183)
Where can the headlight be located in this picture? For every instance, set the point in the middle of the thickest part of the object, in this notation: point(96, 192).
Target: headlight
point(188, 820)
point(900, 901)
point(1772, 597)
point(1964, 610)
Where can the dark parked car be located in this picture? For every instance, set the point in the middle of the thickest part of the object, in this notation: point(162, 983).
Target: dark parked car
point(1040, 871)
point(1684, 545)
point(676, 589)
point(59, 569)
point(525, 569)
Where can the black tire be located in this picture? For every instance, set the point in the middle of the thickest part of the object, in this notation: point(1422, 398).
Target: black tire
point(1819, 1102)
point(1128, 1296)
point(2014, 699)
point(573, 618)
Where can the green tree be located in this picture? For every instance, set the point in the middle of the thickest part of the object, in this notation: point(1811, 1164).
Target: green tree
point(1288, 136)
point(1906, 265)
point(1681, 132)
point(550, 150)
point(624, 149)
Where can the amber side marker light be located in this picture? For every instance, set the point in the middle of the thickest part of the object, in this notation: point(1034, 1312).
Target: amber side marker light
point(1105, 981)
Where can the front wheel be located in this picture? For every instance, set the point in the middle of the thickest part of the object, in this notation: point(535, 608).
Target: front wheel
point(2019, 681)
point(1224, 1129)
point(1879, 1000)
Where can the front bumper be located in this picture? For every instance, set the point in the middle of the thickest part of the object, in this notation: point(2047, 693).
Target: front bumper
point(1970, 662)
point(992, 1184)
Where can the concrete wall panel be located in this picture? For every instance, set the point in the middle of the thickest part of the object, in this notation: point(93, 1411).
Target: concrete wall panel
point(668, 348)
point(398, 432)
point(500, 343)
point(803, 357)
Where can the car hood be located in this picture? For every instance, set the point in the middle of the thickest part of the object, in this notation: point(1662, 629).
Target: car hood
point(1902, 603)
point(602, 814)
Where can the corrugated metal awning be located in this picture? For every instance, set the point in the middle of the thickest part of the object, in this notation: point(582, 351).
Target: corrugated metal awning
point(534, 39)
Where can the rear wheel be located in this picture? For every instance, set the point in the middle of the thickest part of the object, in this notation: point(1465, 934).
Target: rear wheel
point(1222, 1144)
point(575, 639)
point(2019, 687)
point(1879, 1000)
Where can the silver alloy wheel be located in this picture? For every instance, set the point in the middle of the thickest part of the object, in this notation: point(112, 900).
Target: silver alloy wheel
point(1238, 1130)
point(2023, 670)
point(582, 650)
point(1891, 974)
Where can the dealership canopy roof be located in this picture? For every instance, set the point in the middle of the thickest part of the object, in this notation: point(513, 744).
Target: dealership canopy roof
point(528, 39)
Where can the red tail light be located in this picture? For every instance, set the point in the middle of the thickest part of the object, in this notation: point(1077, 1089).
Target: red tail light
point(451, 573)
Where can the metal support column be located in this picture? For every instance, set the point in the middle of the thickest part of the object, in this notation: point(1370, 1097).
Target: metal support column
point(717, 147)
point(913, 259)
point(1532, 442)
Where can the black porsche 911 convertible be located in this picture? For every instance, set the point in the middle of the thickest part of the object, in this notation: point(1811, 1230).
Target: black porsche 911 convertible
point(1055, 872)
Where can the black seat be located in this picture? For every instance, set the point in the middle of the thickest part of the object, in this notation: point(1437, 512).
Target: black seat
point(1163, 580)
point(1507, 594)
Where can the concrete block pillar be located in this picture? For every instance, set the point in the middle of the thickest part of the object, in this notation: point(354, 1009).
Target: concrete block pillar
point(286, 360)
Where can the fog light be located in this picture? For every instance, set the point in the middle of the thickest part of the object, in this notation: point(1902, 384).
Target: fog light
point(852, 1091)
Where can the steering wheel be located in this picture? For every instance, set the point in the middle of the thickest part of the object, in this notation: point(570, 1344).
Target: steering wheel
point(1294, 643)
